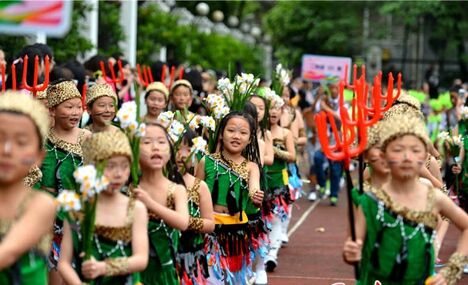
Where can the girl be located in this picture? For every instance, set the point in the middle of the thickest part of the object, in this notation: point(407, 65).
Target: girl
point(263, 134)
point(191, 257)
point(63, 153)
point(156, 99)
point(181, 96)
point(120, 243)
point(278, 191)
point(395, 223)
point(26, 217)
point(232, 179)
point(166, 202)
point(101, 101)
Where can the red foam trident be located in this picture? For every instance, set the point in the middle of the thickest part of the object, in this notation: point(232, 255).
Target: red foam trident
point(84, 91)
point(146, 78)
point(113, 79)
point(13, 76)
point(2, 67)
point(35, 87)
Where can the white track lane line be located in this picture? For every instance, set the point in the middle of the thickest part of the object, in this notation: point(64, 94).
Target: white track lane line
point(303, 218)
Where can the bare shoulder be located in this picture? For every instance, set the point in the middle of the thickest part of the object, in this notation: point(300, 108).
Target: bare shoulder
point(42, 199)
point(252, 166)
point(86, 133)
point(139, 206)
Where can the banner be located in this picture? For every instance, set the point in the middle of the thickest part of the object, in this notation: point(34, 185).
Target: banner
point(26, 17)
point(320, 67)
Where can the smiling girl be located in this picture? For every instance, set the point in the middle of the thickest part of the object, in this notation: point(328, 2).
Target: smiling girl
point(233, 177)
point(101, 101)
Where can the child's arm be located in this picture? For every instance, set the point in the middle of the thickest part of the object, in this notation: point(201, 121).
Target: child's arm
point(200, 169)
point(254, 184)
point(65, 268)
point(206, 209)
point(36, 222)
point(269, 154)
point(352, 250)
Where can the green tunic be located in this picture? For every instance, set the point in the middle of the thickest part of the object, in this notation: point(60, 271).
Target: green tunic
point(384, 241)
point(108, 242)
point(31, 268)
point(228, 182)
point(191, 259)
point(164, 241)
point(62, 158)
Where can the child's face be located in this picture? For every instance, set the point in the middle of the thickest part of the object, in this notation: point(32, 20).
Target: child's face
point(154, 148)
point(103, 110)
point(182, 155)
point(373, 157)
point(181, 97)
point(405, 156)
point(156, 103)
point(236, 135)
point(286, 95)
point(260, 105)
point(19, 147)
point(275, 115)
point(117, 171)
point(68, 113)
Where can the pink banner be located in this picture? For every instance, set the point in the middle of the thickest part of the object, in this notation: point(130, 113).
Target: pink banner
point(319, 67)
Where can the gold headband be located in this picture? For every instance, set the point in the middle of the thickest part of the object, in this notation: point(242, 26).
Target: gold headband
point(158, 86)
point(182, 82)
point(104, 145)
point(100, 90)
point(60, 92)
point(401, 125)
point(41, 95)
point(373, 135)
point(15, 101)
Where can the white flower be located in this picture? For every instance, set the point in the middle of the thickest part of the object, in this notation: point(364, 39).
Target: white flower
point(269, 94)
point(457, 140)
point(68, 201)
point(199, 144)
point(248, 78)
point(464, 113)
point(85, 173)
point(176, 129)
point(220, 111)
point(224, 84)
point(279, 67)
point(133, 127)
point(194, 122)
point(277, 101)
point(443, 136)
point(101, 184)
point(214, 100)
point(208, 122)
point(127, 114)
point(141, 131)
point(284, 77)
point(166, 118)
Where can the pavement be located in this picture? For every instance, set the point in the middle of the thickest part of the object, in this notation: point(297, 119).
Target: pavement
point(316, 235)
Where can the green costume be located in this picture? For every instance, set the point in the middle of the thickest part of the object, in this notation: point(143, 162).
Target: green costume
point(62, 158)
point(31, 268)
point(108, 243)
point(228, 246)
point(398, 247)
point(191, 258)
point(164, 241)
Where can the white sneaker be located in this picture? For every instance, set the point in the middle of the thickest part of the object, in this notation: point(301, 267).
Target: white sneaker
point(284, 238)
point(312, 196)
point(465, 270)
point(262, 278)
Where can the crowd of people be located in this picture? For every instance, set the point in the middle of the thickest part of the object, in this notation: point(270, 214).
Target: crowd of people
point(108, 177)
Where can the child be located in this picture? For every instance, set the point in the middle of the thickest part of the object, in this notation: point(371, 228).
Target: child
point(26, 217)
point(156, 100)
point(232, 178)
point(191, 257)
point(63, 153)
point(278, 191)
point(120, 242)
point(181, 96)
point(102, 102)
point(395, 223)
point(166, 202)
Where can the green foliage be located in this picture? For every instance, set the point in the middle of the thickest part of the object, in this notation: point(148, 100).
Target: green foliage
point(73, 43)
point(11, 45)
point(314, 27)
point(110, 31)
point(156, 29)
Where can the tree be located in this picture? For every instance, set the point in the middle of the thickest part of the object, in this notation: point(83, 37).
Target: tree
point(110, 32)
point(314, 27)
point(73, 44)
